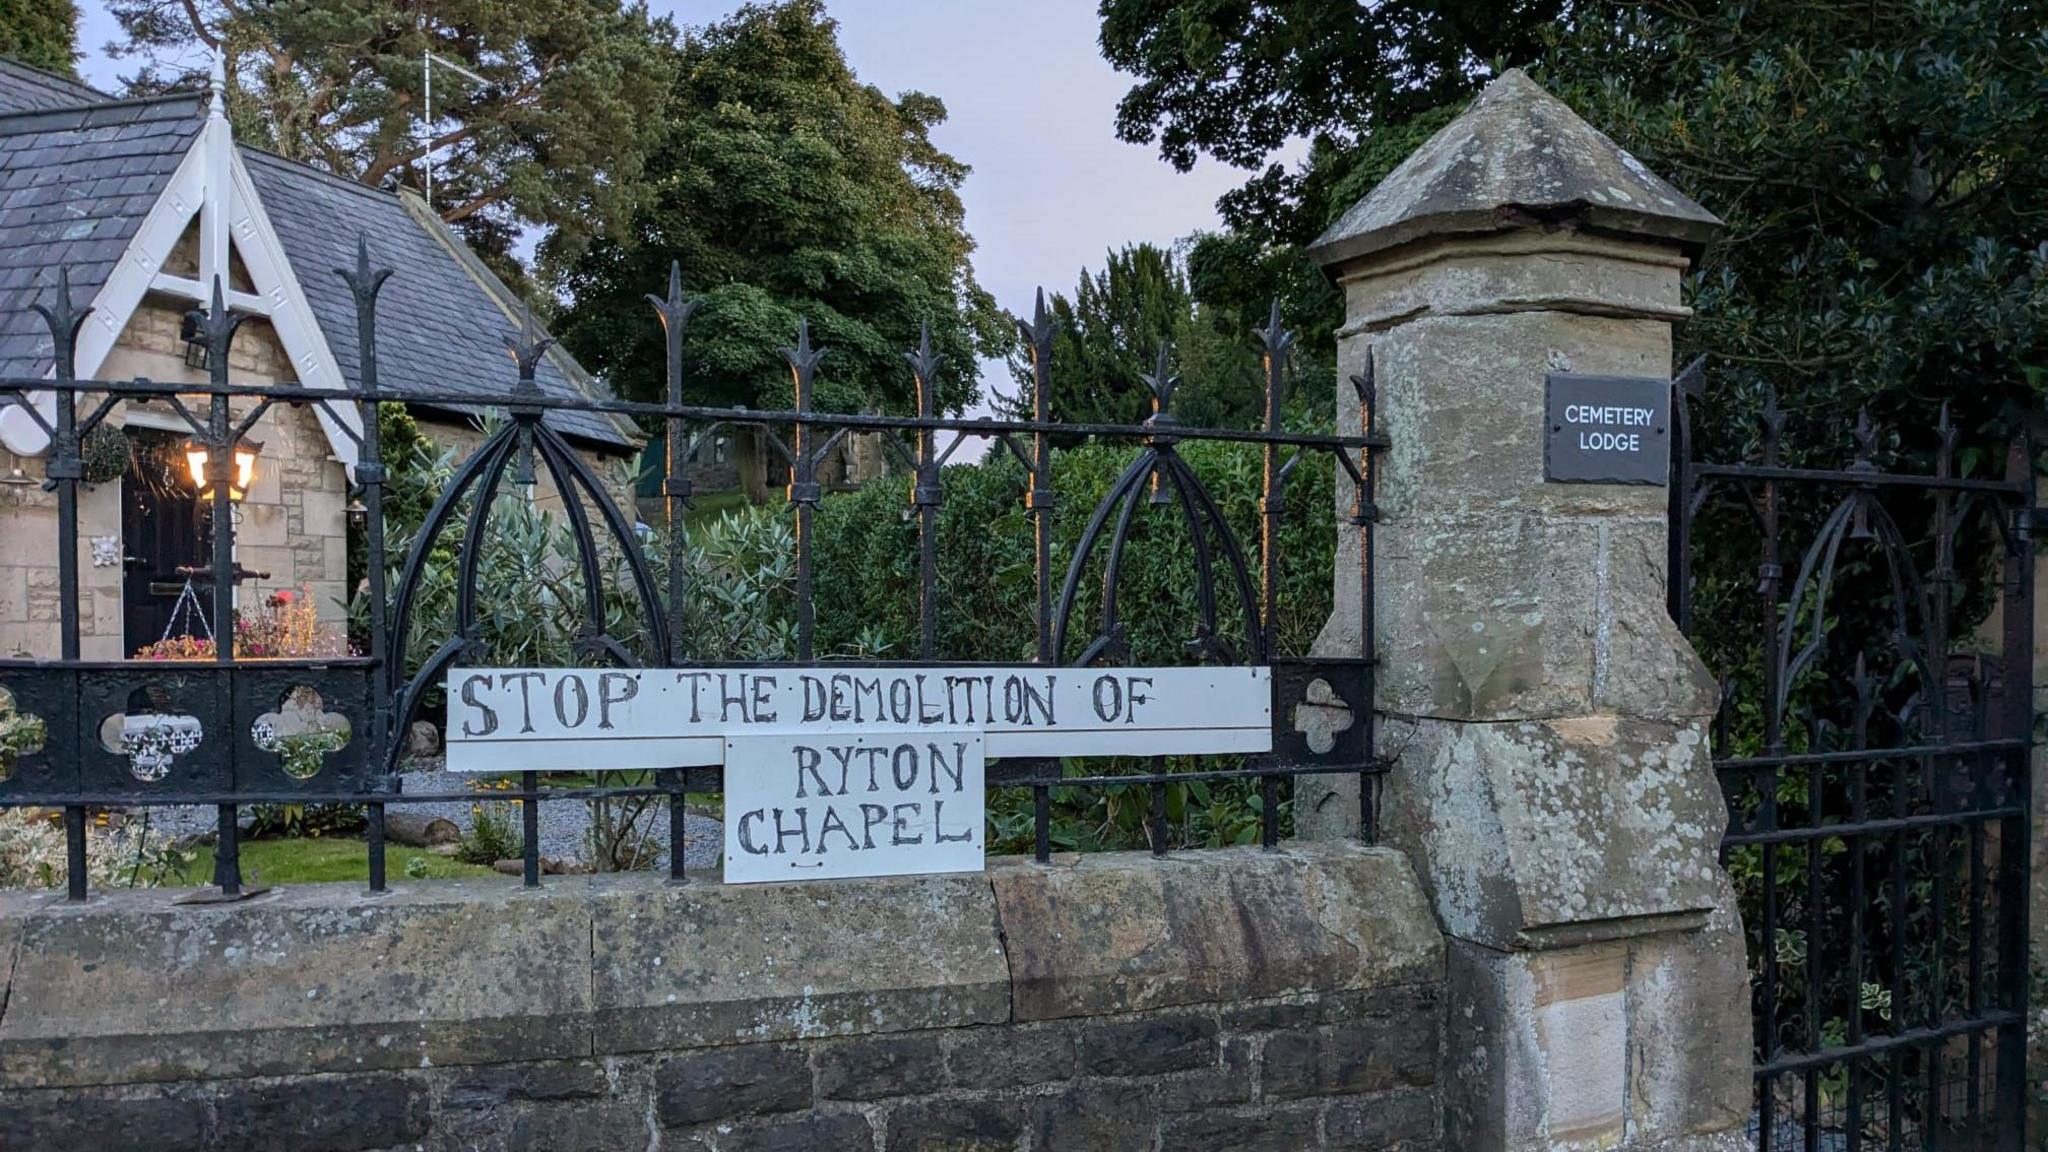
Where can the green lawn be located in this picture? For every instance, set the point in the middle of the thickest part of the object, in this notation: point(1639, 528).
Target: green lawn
point(709, 506)
point(317, 861)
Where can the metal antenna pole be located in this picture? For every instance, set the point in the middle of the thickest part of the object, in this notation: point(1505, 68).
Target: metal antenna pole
point(427, 62)
point(427, 122)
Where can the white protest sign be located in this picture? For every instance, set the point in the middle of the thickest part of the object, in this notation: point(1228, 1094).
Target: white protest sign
point(802, 806)
point(589, 719)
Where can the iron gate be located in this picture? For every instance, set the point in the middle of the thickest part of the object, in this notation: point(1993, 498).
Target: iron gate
point(1875, 760)
point(219, 753)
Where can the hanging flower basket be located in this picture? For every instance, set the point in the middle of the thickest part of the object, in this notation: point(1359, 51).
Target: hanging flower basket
point(105, 454)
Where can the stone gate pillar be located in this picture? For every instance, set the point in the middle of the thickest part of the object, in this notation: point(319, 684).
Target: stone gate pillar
point(1553, 786)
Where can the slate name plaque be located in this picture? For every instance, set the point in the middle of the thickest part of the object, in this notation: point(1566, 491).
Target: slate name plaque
point(1607, 429)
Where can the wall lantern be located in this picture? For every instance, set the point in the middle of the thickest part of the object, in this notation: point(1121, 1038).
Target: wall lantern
point(196, 456)
point(197, 355)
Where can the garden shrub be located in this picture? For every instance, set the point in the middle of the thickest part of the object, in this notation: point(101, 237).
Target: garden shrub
point(864, 554)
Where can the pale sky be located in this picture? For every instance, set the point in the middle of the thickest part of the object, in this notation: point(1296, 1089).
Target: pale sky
point(1032, 109)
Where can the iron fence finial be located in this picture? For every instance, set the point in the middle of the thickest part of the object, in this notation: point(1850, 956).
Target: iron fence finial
point(365, 283)
point(924, 363)
point(64, 319)
point(527, 348)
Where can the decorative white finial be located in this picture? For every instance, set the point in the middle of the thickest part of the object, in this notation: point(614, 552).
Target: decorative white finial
point(217, 84)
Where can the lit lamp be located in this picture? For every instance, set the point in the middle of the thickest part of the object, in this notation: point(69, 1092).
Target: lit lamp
point(196, 456)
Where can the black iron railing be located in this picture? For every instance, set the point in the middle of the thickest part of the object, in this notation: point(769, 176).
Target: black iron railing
point(380, 692)
point(1876, 767)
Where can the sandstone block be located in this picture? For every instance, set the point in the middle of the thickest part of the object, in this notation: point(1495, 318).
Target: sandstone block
point(874, 1068)
point(1126, 933)
point(492, 1085)
point(832, 1132)
point(1146, 1047)
point(102, 1122)
point(708, 964)
point(1251, 1130)
point(1533, 827)
point(600, 1126)
point(956, 1126)
point(373, 1112)
point(1393, 1122)
point(309, 979)
point(1099, 1117)
point(743, 1081)
point(1011, 1056)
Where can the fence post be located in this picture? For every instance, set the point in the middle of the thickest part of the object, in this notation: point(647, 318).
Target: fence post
point(1552, 784)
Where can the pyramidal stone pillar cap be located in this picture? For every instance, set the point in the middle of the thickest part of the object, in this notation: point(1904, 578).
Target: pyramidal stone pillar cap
point(1517, 158)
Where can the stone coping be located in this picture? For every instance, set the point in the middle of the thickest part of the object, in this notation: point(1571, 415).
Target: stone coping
point(135, 987)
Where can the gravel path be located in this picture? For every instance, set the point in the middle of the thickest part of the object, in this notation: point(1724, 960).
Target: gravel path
point(564, 824)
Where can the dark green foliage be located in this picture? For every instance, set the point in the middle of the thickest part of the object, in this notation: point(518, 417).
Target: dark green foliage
point(106, 453)
point(491, 835)
point(415, 474)
point(865, 551)
point(1883, 181)
point(555, 137)
point(1109, 334)
point(1205, 310)
point(309, 820)
point(865, 554)
point(42, 33)
point(787, 189)
point(1235, 79)
point(1880, 171)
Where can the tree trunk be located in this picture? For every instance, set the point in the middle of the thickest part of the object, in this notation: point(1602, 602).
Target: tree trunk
point(417, 831)
point(756, 459)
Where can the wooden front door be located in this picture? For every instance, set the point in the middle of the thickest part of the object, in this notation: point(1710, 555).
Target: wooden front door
point(162, 531)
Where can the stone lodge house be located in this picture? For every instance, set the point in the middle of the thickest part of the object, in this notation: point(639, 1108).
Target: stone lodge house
point(146, 202)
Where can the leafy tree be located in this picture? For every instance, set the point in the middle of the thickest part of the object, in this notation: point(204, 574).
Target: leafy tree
point(1235, 79)
point(1879, 167)
point(1885, 191)
point(866, 554)
point(1886, 198)
point(1204, 308)
point(1108, 335)
point(555, 136)
point(786, 189)
point(40, 32)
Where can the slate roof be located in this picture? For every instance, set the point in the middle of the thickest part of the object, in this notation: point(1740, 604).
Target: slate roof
point(77, 180)
point(443, 318)
point(75, 184)
point(26, 89)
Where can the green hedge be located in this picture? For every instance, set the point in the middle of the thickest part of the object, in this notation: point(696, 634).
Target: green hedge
point(864, 556)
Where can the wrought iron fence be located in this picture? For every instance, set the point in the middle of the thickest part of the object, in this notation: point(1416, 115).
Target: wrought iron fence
point(1876, 768)
point(225, 758)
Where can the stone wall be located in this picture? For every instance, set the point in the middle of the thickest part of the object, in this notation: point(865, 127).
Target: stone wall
point(1216, 1000)
point(29, 596)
